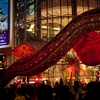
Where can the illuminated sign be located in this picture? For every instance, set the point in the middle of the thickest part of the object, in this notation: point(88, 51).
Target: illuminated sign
point(4, 36)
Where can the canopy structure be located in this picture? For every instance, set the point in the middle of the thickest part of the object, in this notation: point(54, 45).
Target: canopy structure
point(54, 50)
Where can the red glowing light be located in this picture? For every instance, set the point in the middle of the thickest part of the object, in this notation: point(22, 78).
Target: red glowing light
point(37, 79)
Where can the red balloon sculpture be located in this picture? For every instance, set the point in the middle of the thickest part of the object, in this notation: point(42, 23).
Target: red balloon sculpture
point(88, 49)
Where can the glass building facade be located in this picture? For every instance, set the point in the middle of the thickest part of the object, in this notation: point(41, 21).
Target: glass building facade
point(44, 19)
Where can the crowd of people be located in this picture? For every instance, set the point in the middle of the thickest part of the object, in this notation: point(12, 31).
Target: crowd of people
point(60, 91)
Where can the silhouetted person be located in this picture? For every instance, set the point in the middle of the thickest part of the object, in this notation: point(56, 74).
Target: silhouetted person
point(20, 94)
point(30, 92)
point(92, 92)
point(65, 94)
point(61, 81)
point(44, 92)
point(81, 95)
point(98, 77)
point(56, 90)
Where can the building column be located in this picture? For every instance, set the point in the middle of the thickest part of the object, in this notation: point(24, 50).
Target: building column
point(74, 14)
point(37, 18)
point(74, 8)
